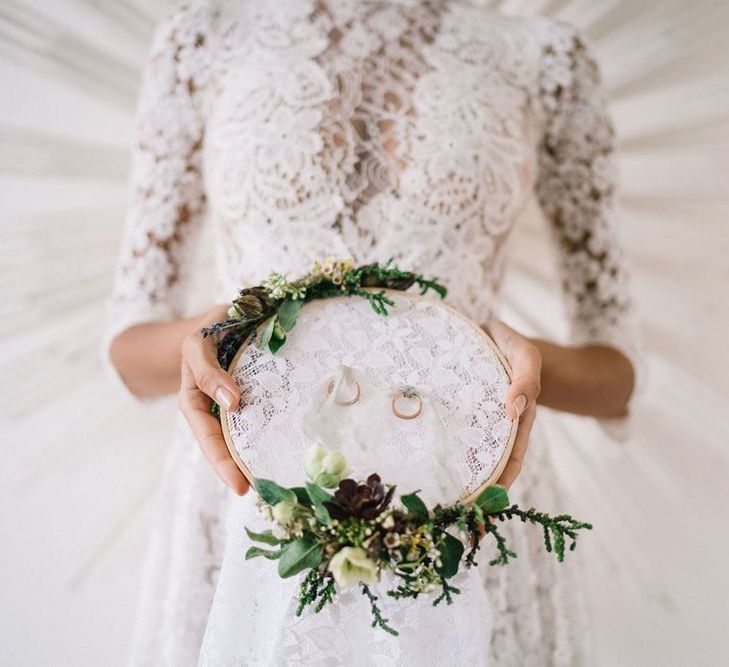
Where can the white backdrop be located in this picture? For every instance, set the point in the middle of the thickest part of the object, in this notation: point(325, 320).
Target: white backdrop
point(80, 467)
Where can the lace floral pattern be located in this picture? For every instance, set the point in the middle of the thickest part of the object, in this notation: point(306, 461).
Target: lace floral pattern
point(451, 449)
point(167, 196)
point(576, 189)
point(406, 129)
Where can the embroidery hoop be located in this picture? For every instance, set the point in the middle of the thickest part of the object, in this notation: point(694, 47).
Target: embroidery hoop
point(247, 350)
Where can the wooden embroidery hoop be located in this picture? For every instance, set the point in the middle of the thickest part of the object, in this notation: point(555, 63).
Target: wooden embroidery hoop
point(466, 499)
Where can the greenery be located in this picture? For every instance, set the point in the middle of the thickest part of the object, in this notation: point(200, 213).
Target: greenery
point(355, 535)
point(340, 531)
point(276, 303)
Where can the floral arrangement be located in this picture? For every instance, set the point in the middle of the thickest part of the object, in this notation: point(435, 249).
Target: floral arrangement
point(342, 531)
point(354, 535)
point(276, 303)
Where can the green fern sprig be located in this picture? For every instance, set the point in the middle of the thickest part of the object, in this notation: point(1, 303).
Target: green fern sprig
point(555, 528)
point(316, 586)
point(402, 592)
point(505, 554)
point(326, 594)
point(378, 620)
point(309, 590)
point(447, 594)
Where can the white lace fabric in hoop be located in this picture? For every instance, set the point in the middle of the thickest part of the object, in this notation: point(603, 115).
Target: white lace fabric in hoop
point(450, 450)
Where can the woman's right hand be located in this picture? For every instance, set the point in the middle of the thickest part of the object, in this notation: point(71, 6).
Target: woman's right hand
point(202, 379)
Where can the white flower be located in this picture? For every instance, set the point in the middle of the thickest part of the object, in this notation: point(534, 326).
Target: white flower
point(350, 566)
point(313, 458)
point(279, 532)
point(324, 467)
point(392, 540)
point(283, 512)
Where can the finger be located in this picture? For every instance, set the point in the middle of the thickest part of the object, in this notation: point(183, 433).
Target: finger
point(481, 530)
point(518, 451)
point(526, 367)
point(475, 539)
point(195, 406)
point(200, 355)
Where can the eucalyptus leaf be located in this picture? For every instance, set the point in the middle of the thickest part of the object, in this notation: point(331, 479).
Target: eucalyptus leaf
point(301, 554)
point(317, 494)
point(318, 497)
point(302, 495)
point(413, 502)
point(266, 537)
point(255, 552)
point(288, 311)
point(493, 499)
point(451, 551)
point(322, 514)
point(272, 493)
point(266, 333)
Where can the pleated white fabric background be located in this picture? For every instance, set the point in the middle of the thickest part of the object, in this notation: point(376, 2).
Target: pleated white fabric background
point(79, 466)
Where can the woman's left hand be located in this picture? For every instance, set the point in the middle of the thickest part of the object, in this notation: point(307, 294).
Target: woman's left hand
point(521, 399)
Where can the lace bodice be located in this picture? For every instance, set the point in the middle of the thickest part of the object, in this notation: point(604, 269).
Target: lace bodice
point(413, 130)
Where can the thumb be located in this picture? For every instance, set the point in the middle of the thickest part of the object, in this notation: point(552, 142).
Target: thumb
point(526, 367)
point(525, 386)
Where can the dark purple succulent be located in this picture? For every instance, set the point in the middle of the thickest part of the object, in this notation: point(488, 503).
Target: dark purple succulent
point(364, 500)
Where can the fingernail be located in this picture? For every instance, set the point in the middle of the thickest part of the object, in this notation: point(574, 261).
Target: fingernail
point(224, 397)
point(235, 486)
point(520, 403)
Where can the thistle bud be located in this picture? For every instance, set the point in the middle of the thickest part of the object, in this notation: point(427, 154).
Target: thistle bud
point(249, 305)
point(283, 512)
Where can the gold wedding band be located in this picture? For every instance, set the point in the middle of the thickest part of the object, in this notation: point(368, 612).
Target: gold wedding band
point(402, 415)
point(330, 388)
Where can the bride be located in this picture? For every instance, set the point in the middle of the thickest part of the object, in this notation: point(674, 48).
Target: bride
point(417, 130)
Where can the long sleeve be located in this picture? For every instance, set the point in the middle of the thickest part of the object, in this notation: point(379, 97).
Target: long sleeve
point(576, 188)
point(167, 198)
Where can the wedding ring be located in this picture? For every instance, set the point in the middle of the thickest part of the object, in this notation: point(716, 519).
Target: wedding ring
point(412, 396)
point(357, 389)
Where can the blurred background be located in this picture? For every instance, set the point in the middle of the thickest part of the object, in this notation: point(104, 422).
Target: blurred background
point(80, 464)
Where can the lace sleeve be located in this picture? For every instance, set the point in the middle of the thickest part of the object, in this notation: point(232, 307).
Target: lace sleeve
point(576, 188)
point(167, 198)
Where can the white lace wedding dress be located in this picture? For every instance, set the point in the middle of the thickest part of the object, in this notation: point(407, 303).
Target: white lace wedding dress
point(415, 130)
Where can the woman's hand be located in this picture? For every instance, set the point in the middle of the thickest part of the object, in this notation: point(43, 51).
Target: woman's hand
point(521, 399)
point(203, 379)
